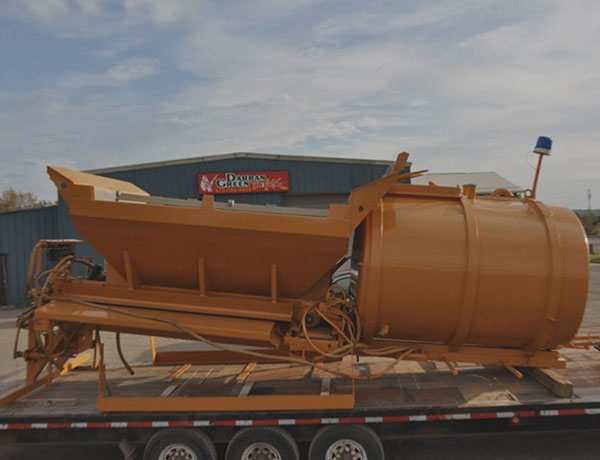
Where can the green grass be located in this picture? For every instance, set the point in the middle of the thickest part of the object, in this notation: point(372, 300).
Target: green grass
point(595, 258)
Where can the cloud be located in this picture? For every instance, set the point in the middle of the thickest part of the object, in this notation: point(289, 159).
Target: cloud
point(51, 11)
point(47, 10)
point(164, 12)
point(467, 86)
point(134, 68)
point(369, 23)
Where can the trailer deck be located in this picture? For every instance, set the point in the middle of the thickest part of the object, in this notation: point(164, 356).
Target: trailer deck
point(411, 393)
point(413, 399)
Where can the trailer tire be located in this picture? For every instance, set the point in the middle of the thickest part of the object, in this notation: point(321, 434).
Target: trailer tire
point(360, 441)
point(180, 443)
point(274, 443)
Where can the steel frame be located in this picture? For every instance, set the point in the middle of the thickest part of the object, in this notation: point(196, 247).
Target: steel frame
point(481, 355)
point(73, 363)
point(242, 402)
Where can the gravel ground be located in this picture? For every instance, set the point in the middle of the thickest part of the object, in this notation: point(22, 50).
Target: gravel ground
point(556, 446)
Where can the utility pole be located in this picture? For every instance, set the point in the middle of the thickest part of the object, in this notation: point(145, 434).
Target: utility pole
point(589, 199)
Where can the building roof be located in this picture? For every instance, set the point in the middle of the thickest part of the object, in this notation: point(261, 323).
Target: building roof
point(229, 156)
point(486, 182)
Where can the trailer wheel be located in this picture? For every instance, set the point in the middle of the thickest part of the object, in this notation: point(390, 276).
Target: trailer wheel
point(180, 444)
point(346, 442)
point(258, 443)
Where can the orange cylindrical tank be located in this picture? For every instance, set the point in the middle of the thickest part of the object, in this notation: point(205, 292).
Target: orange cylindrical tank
point(436, 266)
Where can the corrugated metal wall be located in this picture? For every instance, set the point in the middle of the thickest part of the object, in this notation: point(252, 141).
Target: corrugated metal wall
point(306, 177)
point(19, 231)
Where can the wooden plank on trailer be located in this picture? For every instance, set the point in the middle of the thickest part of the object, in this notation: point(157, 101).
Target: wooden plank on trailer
point(409, 367)
point(246, 372)
point(266, 372)
point(443, 367)
point(45, 402)
point(378, 365)
point(345, 366)
point(556, 383)
point(368, 366)
point(178, 372)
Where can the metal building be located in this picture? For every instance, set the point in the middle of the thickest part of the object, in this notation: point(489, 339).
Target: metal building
point(299, 181)
point(19, 231)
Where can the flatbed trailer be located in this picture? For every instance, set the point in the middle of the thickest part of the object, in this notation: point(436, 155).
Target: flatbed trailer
point(261, 277)
point(412, 399)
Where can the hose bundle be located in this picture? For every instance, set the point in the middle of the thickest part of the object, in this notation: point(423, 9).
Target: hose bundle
point(338, 311)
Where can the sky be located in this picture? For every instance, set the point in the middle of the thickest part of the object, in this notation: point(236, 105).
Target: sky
point(462, 85)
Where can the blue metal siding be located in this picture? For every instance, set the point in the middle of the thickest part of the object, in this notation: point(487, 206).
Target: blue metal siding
point(180, 181)
point(19, 231)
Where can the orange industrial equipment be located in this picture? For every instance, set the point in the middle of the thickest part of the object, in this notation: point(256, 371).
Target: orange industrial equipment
point(438, 273)
point(439, 267)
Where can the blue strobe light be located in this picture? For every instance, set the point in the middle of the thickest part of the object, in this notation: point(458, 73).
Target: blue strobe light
point(543, 145)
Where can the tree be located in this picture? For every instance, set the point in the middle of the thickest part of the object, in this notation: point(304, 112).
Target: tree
point(12, 200)
point(591, 222)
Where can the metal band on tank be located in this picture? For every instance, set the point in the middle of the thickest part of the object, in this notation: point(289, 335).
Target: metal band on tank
point(469, 294)
point(552, 304)
point(371, 271)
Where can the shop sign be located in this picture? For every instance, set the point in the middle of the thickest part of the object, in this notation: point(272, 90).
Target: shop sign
point(244, 182)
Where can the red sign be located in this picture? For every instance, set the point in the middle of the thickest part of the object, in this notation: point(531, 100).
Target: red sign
point(244, 182)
